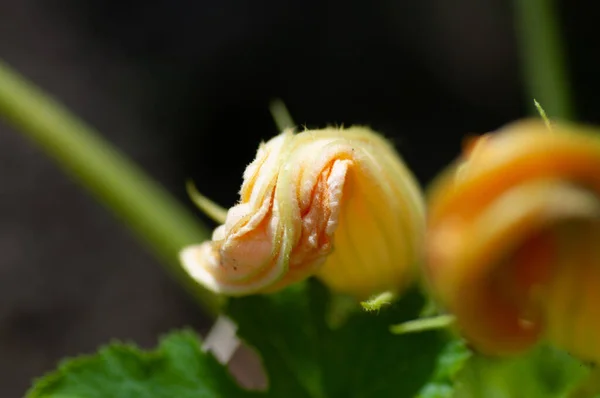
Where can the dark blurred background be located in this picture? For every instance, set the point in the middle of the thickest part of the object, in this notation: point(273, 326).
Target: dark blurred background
point(183, 87)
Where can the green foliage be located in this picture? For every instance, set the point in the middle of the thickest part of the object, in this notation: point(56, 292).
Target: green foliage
point(177, 369)
point(449, 363)
point(305, 357)
point(544, 372)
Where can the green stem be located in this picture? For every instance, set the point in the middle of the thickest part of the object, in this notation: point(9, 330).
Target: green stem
point(542, 56)
point(281, 116)
point(423, 324)
point(157, 218)
point(543, 114)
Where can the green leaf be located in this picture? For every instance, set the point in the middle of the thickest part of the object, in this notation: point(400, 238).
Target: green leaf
point(449, 364)
point(177, 369)
point(436, 390)
point(306, 356)
point(544, 372)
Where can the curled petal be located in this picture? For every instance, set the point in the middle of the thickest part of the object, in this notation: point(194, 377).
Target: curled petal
point(336, 203)
point(510, 235)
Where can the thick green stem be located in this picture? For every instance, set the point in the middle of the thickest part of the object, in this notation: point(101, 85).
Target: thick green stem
point(157, 218)
point(542, 57)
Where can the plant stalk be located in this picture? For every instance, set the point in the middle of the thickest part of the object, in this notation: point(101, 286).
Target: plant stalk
point(542, 57)
point(162, 223)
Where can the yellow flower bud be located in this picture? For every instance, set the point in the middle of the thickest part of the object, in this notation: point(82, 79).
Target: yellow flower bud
point(336, 203)
point(513, 232)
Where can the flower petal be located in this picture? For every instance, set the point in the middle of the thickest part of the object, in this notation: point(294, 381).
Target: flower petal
point(511, 235)
point(334, 202)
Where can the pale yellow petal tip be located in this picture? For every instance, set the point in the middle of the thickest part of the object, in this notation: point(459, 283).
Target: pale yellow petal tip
point(194, 260)
point(205, 267)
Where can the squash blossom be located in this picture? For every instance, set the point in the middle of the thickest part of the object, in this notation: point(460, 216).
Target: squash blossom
point(336, 203)
point(513, 239)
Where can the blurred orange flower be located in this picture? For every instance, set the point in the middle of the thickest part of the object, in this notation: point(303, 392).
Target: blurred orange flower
point(513, 239)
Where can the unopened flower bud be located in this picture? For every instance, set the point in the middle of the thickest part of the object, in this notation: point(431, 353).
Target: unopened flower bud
point(336, 203)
